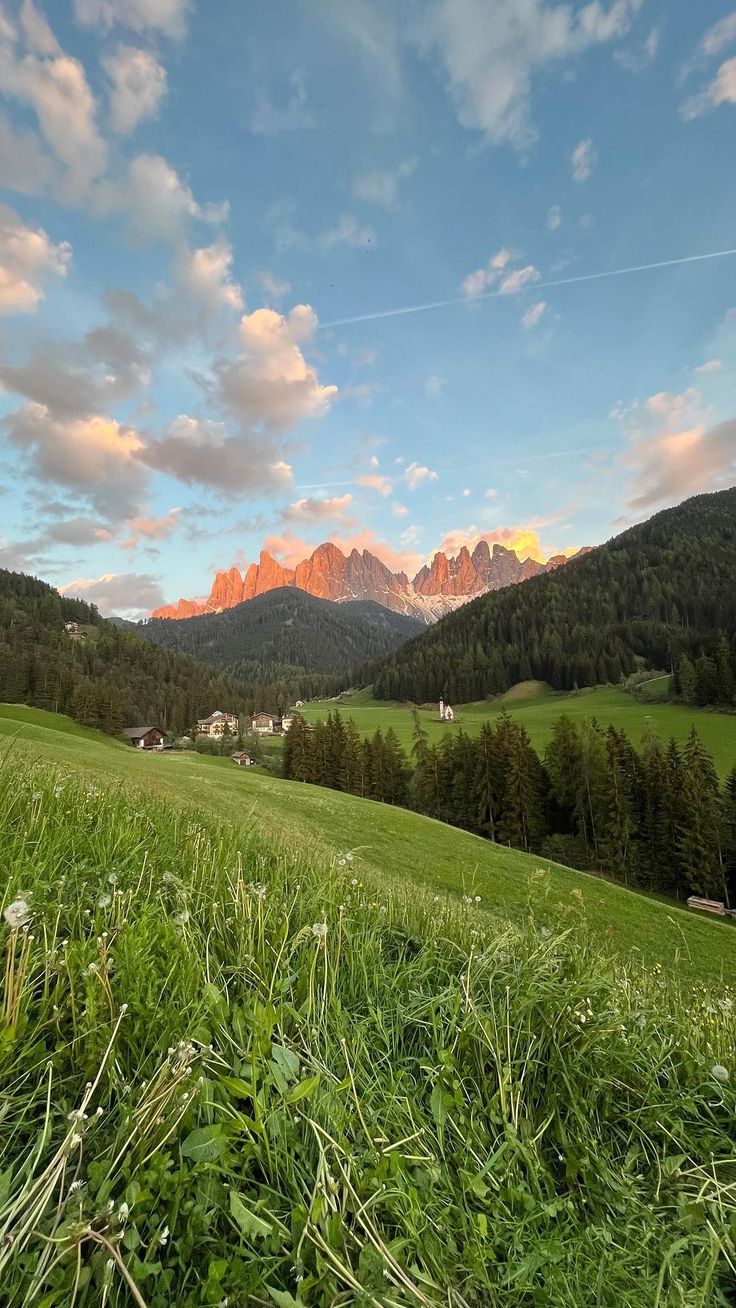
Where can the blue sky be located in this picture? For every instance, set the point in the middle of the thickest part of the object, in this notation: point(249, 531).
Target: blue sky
point(210, 212)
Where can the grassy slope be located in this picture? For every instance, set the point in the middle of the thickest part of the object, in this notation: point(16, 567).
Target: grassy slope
point(400, 850)
point(537, 707)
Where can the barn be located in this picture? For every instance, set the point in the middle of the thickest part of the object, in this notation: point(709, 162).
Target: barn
point(144, 737)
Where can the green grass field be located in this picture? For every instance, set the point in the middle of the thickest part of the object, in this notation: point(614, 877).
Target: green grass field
point(239, 1068)
point(538, 707)
point(396, 849)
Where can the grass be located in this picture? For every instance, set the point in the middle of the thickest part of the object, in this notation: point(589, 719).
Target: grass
point(234, 1072)
point(396, 846)
point(537, 707)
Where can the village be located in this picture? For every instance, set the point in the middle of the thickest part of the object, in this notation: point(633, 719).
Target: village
point(218, 726)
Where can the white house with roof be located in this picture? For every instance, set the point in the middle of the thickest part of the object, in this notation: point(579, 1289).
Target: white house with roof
point(217, 723)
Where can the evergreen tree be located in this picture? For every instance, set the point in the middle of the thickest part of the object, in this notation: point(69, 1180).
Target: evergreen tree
point(698, 835)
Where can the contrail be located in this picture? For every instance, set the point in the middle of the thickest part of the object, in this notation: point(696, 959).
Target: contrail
point(537, 286)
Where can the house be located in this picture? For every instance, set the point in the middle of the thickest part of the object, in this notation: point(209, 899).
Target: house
point(446, 713)
point(243, 759)
point(73, 632)
point(145, 737)
point(286, 722)
point(299, 703)
point(217, 723)
point(262, 724)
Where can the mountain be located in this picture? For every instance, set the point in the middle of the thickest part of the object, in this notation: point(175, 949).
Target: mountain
point(329, 574)
point(288, 626)
point(662, 595)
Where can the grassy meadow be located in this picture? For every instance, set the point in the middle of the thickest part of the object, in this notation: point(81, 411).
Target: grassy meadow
point(240, 1070)
point(537, 707)
point(396, 848)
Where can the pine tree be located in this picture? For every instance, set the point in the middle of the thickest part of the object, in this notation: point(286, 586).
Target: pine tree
point(698, 835)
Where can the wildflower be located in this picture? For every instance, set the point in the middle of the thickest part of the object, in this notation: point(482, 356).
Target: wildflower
point(720, 1073)
point(354, 881)
point(112, 879)
point(93, 969)
point(104, 901)
point(37, 794)
point(477, 899)
point(122, 1214)
point(76, 1186)
point(163, 1235)
point(319, 929)
point(17, 914)
point(342, 862)
point(349, 858)
point(182, 917)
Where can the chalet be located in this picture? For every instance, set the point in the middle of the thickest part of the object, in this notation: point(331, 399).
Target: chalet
point(263, 724)
point(286, 722)
point(299, 703)
point(73, 632)
point(217, 723)
point(144, 737)
point(243, 759)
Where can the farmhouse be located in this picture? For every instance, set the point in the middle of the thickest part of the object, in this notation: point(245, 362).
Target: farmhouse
point(263, 724)
point(243, 759)
point(145, 737)
point(217, 723)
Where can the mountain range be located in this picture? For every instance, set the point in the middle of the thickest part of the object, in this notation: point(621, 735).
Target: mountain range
point(437, 589)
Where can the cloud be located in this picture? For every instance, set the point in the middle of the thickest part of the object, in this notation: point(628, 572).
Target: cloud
point(533, 315)
point(274, 288)
point(712, 365)
point(434, 384)
point(27, 258)
point(672, 452)
point(127, 594)
point(491, 51)
point(24, 166)
point(582, 160)
point(270, 384)
point(155, 201)
point(415, 475)
point(316, 510)
point(554, 217)
point(722, 90)
point(166, 16)
point(201, 453)
point(397, 560)
point(720, 35)
point(74, 380)
point(524, 540)
point(490, 494)
point(206, 275)
point(36, 71)
point(637, 58)
point(376, 482)
point(347, 231)
point(149, 527)
point(137, 86)
point(497, 274)
point(399, 510)
point(381, 186)
point(95, 456)
point(77, 531)
point(269, 120)
point(519, 278)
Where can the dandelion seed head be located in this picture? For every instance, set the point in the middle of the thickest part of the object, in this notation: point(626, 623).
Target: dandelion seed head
point(720, 1073)
point(319, 929)
point(17, 914)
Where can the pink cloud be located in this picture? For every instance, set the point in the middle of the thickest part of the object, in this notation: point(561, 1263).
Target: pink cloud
point(376, 482)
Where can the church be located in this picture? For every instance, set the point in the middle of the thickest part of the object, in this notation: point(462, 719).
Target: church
point(446, 713)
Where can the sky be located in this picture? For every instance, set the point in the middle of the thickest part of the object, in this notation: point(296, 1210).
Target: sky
point(396, 276)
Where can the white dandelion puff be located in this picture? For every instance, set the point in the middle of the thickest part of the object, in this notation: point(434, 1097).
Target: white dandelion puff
point(720, 1073)
point(17, 914)
point(319, 929)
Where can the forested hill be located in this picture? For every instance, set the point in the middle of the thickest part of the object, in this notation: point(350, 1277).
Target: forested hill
point(111, 678)
point(663, 592)
point(287, 626)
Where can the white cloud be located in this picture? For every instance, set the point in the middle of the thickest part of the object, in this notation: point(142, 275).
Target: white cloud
point(201, 453)
point(582, 160)
point(137, 86)
point(335, 509)
point(399, 510)
point(127, 594)
point(712, 365)
point(490, 494)
point(533, 315)
point(490, 51)
point(434, 384)
point(274, 288)
point(722, 90)
point(477, 282)
point(516, 280)
point(381, 186)
point(166, 16)
point(206, 275)
point(36, 71)
point(554, 217)
point(27, 258)
point(466, 493)
point(154, 200)
point(269, 120)
point(637, 58)
point(720, 35)
point(347, 231)
point(270, 384)
point(24, 165)
point(672, 452)
point(416, 474)
point(375, 482)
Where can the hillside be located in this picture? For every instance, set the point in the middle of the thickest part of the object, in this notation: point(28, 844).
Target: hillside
point(402, 852)
point(288, 626)
point(662, 594)
point(239, 1069)
point(110, 678)
point(331, 575)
